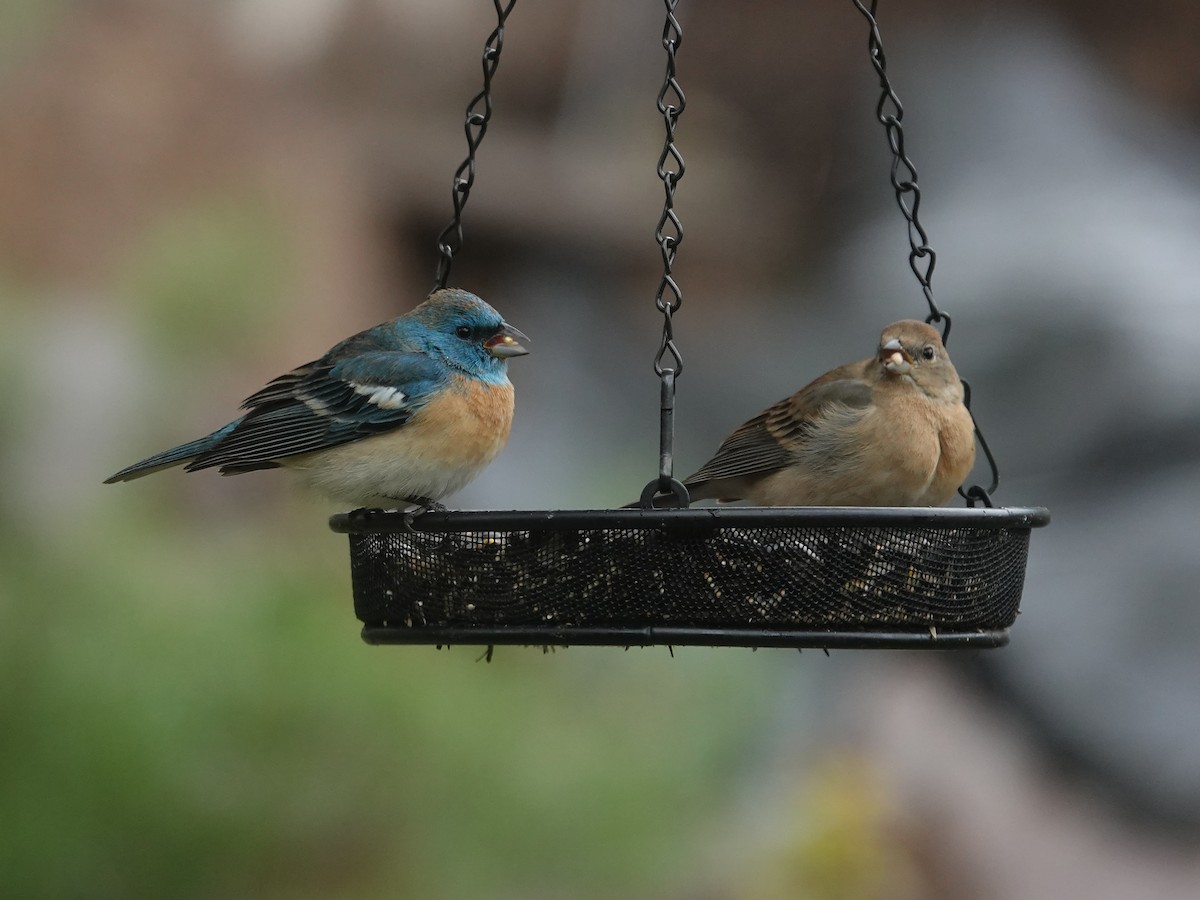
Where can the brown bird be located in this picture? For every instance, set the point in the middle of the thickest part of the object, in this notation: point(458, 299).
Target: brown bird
point(890, 430)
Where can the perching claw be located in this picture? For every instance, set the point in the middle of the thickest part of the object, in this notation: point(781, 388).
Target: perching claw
point(424, 505)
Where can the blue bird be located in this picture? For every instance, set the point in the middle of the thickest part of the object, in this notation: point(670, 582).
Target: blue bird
point(404, 413)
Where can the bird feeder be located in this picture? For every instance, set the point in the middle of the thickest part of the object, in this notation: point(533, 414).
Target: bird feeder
point(665, 573)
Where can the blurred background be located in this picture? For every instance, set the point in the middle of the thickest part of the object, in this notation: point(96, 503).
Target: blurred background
point(196, 197)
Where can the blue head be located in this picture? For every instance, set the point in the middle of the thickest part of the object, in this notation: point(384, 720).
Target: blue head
point(464, 332)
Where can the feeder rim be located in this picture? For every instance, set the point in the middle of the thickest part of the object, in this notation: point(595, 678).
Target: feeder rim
point(388, 522)
point(682, 636)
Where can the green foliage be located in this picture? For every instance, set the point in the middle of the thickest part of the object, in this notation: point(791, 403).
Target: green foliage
point(188, 712)
point(210, 274)
point(23, 24)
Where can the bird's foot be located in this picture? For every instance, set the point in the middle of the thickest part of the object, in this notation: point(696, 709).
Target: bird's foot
point(423, 505)
point(426, 504)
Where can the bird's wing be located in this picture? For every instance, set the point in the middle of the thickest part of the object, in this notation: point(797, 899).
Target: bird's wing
point(775, 438)
point(323, 404)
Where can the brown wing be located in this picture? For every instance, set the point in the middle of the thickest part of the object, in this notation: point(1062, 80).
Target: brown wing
point(773, 439)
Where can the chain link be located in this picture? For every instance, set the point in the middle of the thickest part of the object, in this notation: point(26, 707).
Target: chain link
point(977, 493)
point(921, 258)
point(668, 362)
point(479, 113)
point(890, 113)
point(669, 232)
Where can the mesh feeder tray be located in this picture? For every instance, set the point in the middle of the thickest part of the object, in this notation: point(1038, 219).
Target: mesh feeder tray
point(755, 577)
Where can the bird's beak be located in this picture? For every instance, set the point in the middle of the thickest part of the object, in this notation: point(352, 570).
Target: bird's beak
point(894, 357)
point(506, 342)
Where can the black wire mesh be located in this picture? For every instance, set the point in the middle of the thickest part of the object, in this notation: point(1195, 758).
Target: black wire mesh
point(831, 577)
point(749, 576)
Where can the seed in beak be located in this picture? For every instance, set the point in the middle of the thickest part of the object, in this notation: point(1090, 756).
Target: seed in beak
point(506, 343)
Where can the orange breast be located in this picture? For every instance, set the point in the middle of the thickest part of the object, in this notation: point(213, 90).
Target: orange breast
point(956, 437)
point(467, 425)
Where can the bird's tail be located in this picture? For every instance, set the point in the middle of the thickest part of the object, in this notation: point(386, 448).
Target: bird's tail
point(172, 457)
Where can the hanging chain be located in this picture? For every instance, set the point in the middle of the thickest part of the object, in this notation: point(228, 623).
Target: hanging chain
point(890, 112)
point(669, 233)
point(479, 113)
point(668, 362)
point(977, 493)
point(921, 258)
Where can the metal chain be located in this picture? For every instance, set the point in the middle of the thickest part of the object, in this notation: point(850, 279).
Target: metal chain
point(921, 258)
point(479, 113)
point(669, 233)
point(668, 362)
point(977, 493)
point(890, 112)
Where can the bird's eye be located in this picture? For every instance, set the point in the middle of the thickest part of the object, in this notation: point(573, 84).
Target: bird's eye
point(928, 352)
point(463, 331)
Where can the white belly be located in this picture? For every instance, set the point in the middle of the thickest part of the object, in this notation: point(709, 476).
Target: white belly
point(441, 448)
